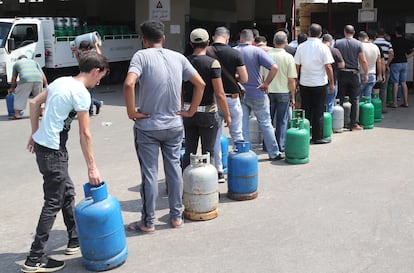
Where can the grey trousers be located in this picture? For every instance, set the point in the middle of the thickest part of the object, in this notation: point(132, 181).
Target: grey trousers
point(147, 145)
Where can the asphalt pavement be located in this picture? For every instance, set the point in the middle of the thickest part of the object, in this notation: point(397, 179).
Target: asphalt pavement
point(349, 210)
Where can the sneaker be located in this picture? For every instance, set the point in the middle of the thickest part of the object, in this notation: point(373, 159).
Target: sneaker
point(280, 156)
point(73, 247)
point(321, 141)
point(221, 178)
point(42, 264)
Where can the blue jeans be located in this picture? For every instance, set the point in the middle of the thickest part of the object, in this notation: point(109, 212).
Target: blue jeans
point(366, 88)
point(330, 98)
point(59, 194)
point(261, 109)
point(94, 101)
point(147, 145)
point(279, 106)
point(235, 129)
point(398, 72)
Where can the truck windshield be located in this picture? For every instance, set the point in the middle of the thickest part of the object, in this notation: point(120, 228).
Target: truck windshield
point(4, 31)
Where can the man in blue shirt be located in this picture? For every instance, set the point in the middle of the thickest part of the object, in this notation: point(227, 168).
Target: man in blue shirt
point(256, 99)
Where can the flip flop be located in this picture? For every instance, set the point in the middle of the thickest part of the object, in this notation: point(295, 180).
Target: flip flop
point(134, 227)
point(14, 118)
point(404, 105)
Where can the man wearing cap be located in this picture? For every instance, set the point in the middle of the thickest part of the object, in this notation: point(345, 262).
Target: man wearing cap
point(158, 122)
point(204, 123)
point(231, 60)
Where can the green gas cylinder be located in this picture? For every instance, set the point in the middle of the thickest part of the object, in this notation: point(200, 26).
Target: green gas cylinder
point(390, 96)
point(366, 113)
point(376, 101)
point(327, 124)
point(297, 143)
point(300, 114)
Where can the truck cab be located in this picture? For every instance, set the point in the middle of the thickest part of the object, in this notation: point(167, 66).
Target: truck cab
point(18, 37)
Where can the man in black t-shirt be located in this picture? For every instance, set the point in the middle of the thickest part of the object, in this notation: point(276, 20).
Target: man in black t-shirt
point(403, 49)
point(231, 60)
point(203, 124)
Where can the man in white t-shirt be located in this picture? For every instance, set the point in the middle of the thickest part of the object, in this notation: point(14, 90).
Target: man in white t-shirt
point(65, 98)
point(313, 59)
point(373, 56)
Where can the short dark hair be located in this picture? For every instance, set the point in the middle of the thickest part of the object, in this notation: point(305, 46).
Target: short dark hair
point(315, 30)
point(152, 30)
point(381, 32)
point(302, 37)
point(84, 45)
point(399, 30)
point(260, 39)
point(91, 60)
point(362, 34)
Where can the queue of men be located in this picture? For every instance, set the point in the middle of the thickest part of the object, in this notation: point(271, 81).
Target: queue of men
point(319, 70)
point(211, 76)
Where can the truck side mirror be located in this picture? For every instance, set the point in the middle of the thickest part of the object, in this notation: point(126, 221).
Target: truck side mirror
point(11, 44)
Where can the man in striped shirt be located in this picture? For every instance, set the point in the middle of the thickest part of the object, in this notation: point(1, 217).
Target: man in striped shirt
point(31, 80)
point(388, 52)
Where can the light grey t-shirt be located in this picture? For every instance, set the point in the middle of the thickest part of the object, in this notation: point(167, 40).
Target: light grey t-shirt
point(160, 75)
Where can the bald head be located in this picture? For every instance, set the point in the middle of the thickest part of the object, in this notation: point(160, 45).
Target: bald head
point(349, 31)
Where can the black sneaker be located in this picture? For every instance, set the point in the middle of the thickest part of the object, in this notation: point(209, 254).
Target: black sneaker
point(73, 247)
point(42, 264)
point(221, 178)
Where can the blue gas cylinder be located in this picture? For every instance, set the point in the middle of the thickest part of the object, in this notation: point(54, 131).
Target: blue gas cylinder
point(224, 142)
point(100, 229)
point(10, 104)
point(242, 176)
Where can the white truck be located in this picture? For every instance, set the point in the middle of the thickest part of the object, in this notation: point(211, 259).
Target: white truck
point(36, 38)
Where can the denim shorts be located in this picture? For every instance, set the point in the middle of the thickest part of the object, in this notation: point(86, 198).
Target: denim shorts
point(398, 72)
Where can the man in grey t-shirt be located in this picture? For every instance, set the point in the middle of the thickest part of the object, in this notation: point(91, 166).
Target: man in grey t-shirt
point(348, 77)
point(158, 123)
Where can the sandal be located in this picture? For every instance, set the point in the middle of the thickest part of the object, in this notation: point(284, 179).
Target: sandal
point(139, 227)
point(14, 117)
point(404, 105)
